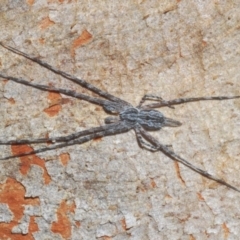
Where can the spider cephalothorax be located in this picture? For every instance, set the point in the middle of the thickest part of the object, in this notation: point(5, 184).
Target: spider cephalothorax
point(148, 119)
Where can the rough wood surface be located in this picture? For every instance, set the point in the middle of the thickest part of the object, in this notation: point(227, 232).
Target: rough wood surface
point(110, 188)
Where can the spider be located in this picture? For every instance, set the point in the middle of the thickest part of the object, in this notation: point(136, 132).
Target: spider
point(142, 118)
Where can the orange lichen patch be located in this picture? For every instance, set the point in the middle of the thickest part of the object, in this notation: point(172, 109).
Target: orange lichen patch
point(30, 2)
point(200, 197)
point(178, 172)
point(53, 110)
point(41, 40)
point(191, 237)
point(26, 161)
point(97, 139)
point(153, 184)
point(5, 81)
point(55, 100)
point(167, 196)
point(204, 43)
point(63, 224)
point(226, 230)
point(12, 193)
point(83, 39)
point(123, 223)
point(33, 227)
point(107, 238)
point(64, 157)
point(11, 100)
point(45, 23)
point(78, 224)
point(71, 207)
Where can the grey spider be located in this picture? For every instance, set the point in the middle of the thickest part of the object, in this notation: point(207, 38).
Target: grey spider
point(140, 118)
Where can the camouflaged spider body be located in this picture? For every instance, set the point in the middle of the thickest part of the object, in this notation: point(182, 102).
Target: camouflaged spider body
point(141, 118)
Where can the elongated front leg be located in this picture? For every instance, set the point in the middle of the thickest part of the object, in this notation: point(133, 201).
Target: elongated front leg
point(74, 79)
point(187, 100)
point(164, 149)
point(66, 92)
point(108, 106)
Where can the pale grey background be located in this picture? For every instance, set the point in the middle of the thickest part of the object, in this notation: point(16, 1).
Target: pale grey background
point(168, 48)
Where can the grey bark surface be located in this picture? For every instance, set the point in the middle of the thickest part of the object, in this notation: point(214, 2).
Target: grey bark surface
point(119, 191)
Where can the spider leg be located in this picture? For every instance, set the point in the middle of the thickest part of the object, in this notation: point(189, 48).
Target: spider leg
point(149, 97)
point(79, 81)
point(143, 143)
point(59, 139)
point(108, 106)
point(164, 103)
point(116, 128)
point(164, 149)
point(58, 90)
